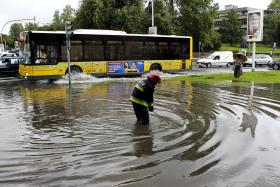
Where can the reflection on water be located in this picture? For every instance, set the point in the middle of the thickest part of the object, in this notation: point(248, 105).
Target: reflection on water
point(85, 135)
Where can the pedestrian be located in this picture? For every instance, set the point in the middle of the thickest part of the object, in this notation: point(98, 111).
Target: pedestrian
point(142, 98)
point(239, 58)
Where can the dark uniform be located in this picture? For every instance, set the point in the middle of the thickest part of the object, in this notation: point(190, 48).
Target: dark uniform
point(142, 99)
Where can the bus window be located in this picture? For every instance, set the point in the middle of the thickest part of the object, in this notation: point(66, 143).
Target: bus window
point(163, 51)
point(41, 54)
point(186, 50)
point(93, 50)
point(46, 54)
point(76, 51)
point(114, 50)
point(133, 50)
point(52, 54)
point(175, 50)
point(150, 51)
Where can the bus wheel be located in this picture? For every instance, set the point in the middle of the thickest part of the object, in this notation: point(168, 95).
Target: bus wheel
point(155, 67)
point(75, 70)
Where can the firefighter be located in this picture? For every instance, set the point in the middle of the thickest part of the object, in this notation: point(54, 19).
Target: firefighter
point(142, 98)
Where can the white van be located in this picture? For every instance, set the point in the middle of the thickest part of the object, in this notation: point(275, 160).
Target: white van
point(218, 58)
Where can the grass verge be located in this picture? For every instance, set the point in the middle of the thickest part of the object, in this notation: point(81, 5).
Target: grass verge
point(259, 48)
point(228, 78)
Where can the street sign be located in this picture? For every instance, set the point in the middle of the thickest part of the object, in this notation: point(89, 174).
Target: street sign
point(152, 30)
point(255, 26)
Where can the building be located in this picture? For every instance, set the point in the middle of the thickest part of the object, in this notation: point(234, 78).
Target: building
point(241, 12)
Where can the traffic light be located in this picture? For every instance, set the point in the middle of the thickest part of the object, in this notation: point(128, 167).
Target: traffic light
point(69, 28)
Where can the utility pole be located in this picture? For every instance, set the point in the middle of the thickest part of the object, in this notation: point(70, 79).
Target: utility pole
point(68, 34)
point(253, 56)
point(153, 23)
point(152, 29)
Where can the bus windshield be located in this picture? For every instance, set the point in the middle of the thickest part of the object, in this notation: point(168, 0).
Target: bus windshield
point(24, 48)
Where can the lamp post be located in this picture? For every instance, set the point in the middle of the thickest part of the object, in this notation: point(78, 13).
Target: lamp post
point(153, 13)
point(152, 29)
point(15, 20)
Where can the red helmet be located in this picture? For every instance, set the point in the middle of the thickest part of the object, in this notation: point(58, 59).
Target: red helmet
point(155, 78)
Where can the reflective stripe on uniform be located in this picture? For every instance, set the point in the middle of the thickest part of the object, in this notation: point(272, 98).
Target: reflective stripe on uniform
point(139, 87)
point(138, 101)
point(150, 104)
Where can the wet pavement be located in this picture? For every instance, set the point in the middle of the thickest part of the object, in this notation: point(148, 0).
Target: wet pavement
point(85, 135)
point(195, 71)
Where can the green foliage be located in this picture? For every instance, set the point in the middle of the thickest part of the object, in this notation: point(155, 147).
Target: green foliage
point(272, 26)
point(15, 30)
point(9, 41)
point(193, 18)
point(91, 15)
point(31, 26)
point(260, 48)
point(257, 77)
point(111, 14)
point(231, 28)
point(162, 18)
point(68, 14)
point(129, 19)
point(196, 19)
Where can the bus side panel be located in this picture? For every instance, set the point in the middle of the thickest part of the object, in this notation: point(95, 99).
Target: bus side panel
point(188, 64)
point(42, 70)
point(91, 67)
point(49, 70)
point(165, 64)
point(24, 70)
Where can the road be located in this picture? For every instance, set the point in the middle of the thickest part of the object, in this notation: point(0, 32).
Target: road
point(195, 71)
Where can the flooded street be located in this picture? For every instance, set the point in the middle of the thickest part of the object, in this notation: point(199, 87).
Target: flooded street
point(199, 135)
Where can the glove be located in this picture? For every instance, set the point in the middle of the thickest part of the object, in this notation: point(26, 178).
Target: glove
point(151, 108)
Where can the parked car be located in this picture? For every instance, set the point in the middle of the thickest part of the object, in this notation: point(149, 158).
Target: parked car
point(218, 58)
point(275, 64)
point(9, 63)
point(260, 59)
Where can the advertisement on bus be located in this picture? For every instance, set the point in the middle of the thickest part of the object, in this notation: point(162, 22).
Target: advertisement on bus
point(126, 67)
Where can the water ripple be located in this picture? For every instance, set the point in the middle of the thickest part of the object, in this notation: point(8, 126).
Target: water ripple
point(200, 135)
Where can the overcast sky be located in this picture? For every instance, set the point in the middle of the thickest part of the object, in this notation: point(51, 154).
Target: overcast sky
point(43, 10)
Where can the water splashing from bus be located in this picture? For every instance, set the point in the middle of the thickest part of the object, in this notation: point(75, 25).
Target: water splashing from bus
point(85, 78)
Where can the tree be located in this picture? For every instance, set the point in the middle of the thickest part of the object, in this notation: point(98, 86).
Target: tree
point(91, 15)
point(57, 23)
point(231, 28)
point(196, 18)
point(31, 26)
point(124, 15)
point(68, 14)
point(162, 17)
point(15, 30)
point(272, 23)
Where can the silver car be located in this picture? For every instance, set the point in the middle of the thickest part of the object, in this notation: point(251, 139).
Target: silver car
point(260, 59)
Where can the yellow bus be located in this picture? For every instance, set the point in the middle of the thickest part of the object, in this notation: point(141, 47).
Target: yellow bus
point(102, 53)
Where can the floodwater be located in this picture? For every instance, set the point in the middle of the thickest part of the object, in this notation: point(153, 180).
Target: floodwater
point(199, 135)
